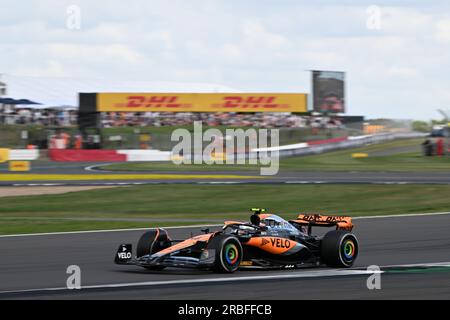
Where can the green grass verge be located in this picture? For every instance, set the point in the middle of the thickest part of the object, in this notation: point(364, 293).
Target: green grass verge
point(399, 155)
point(388, 156)
point(160, 136)
point(170, 167)
point(20, 226)
point(209, 204)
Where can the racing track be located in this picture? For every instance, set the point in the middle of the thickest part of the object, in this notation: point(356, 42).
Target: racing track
point(282, 178)
point(40, 261)
point(95, 177)
point(180, 177)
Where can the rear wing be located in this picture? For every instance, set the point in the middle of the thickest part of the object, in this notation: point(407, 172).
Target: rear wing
point(317, 220)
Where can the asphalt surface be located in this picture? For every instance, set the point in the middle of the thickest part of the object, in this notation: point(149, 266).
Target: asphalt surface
point(40, 261)
point(341, 177)
point(319, 177)
point(282, 178)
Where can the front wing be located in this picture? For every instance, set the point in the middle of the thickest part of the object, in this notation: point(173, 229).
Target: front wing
point(124, 256)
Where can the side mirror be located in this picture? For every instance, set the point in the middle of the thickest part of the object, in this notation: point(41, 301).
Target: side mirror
point(206, 230)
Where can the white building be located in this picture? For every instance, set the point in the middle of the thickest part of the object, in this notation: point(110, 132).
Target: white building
point(58, 92)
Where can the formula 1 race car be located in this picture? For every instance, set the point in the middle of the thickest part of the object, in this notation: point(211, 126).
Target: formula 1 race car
point(266, 241)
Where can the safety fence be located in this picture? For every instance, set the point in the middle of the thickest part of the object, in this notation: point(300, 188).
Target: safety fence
point(320, 146)
point(297, 149)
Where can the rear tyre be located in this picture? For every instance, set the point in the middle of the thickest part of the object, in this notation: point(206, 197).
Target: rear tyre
point(339, 249)
point(151, 242)
point(228, 254)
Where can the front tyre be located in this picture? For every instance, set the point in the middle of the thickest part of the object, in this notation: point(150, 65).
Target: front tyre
point(151, 242)
point(339, 249)
point(228, 255)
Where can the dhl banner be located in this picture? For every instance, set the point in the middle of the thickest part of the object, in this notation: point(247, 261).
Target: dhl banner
point(19, 166)
point(202, 102)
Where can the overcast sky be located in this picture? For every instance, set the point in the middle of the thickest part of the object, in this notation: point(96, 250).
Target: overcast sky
point(397, 66)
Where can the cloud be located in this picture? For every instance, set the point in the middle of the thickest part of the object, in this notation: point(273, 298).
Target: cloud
point(405, 21)
point(253, 46)
point(406, 72)
point(95, 53)
point(442, 31)
point(49, 68)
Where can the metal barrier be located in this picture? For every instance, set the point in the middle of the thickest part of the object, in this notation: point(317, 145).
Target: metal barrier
point(351, 142)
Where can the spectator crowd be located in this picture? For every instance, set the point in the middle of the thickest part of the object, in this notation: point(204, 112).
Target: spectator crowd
point(65, 118)
point(44, 117)
point(263, 120)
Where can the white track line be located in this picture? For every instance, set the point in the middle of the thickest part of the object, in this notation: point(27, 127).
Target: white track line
point(293, 275)
point(101, 231)
point(203, 225)
point(412, 265)
point(93, 167)
point(402, 215)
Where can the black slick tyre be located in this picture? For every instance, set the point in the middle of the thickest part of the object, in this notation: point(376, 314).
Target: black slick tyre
point(151, 242)
point(339, 249)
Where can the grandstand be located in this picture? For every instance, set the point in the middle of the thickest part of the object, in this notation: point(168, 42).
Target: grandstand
point(57, 103)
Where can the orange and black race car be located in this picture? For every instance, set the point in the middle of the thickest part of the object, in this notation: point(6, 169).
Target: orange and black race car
point(267, 241)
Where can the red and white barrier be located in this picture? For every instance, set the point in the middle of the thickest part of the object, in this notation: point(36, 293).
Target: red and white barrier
point(23, 154)
point(304, 148)
point(301, 145)
point(146, 155)
point(75, 155)
point(326, 141)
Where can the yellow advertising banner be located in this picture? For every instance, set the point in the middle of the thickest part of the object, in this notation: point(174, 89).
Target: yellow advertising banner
point(202, 102)
point(4, 155)
point(19, 166)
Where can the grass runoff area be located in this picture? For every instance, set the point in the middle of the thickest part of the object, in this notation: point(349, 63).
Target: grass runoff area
point(398, 155)
point(166, 205)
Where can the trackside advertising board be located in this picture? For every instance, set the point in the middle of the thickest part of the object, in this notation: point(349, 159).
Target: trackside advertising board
point(4, 155)
point(328, 91)
point(19, 166)
point(201, 102)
